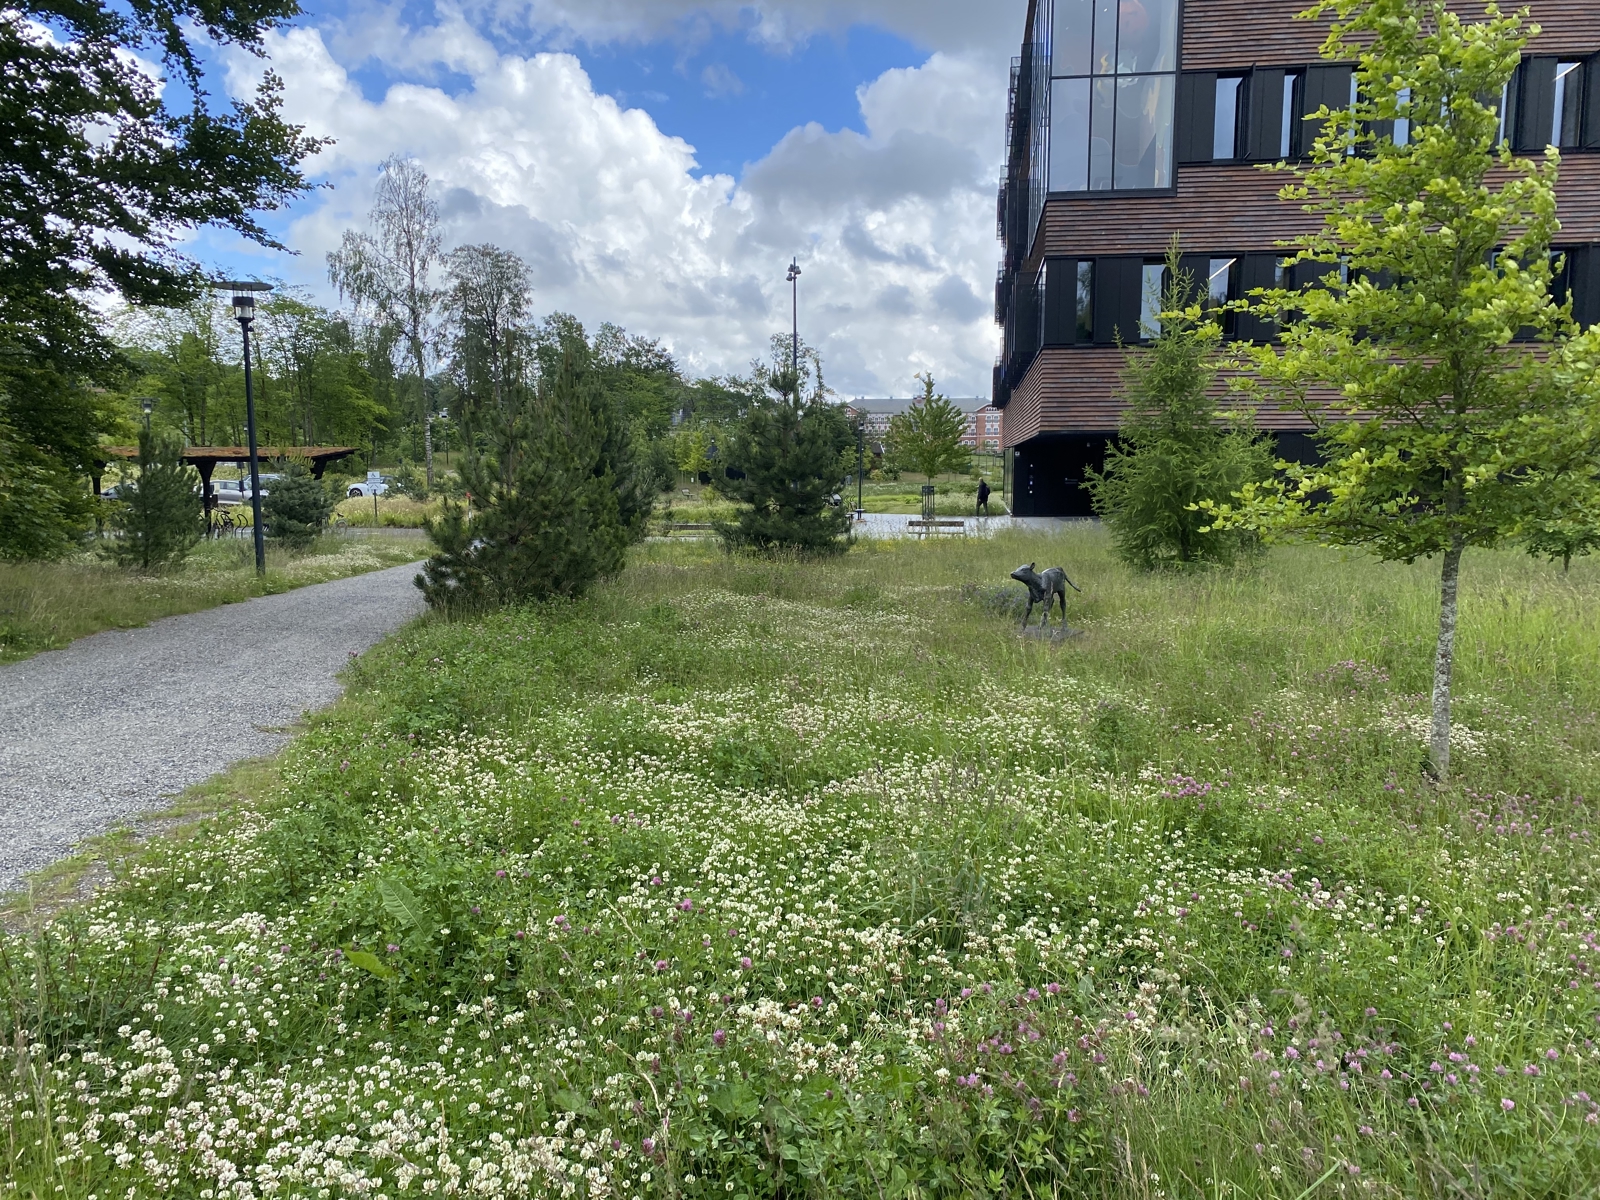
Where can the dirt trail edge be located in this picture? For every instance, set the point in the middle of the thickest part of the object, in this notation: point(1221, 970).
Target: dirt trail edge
point(97, 733)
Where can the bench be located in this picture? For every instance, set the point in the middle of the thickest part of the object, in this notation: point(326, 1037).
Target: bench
point(938, 525)
point(686, 526)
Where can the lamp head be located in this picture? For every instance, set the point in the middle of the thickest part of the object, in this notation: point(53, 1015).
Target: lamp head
point(794, 271)
point(147, 406)
point(244, 292)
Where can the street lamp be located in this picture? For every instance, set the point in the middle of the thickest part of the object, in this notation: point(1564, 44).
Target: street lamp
point(147, 406)
point(244, 294)
point(794, 358)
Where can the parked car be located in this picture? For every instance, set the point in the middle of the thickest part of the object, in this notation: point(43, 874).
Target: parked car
point(374, 485)
point(229, 492)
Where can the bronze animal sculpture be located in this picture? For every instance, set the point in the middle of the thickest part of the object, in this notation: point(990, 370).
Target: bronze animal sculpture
point(1043, 588)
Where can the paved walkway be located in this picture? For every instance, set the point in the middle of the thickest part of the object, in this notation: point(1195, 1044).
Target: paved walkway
point(97, 733)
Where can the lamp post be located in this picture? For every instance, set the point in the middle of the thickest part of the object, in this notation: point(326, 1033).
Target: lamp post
point(861, 463)
point(244, 311)
point(794, 357)
point(147, 406)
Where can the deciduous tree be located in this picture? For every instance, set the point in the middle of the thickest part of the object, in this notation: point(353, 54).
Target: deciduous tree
point(926, 438)
point(1447, 431)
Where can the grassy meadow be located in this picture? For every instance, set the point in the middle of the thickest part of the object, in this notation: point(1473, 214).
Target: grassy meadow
point(47, 605)
point(761, 879)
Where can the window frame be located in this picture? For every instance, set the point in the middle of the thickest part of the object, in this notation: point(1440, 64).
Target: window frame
point(1175, 74)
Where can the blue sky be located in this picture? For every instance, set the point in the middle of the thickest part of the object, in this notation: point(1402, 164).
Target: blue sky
point(658, 161)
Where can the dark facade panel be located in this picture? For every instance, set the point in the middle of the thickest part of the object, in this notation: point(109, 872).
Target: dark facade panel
point(1256, 271)
point(1583, 274)
point(1117, 295)
point(1264, 128)
point(1196, 113)
point(1535, 85)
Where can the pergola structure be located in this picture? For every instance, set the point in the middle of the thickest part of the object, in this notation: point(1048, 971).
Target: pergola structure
point(204, 459)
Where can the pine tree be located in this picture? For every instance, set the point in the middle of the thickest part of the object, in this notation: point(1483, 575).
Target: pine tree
point(162, 517)
point(555, 500)
point(296, 508)
point(1175, 450)
point(783, 467)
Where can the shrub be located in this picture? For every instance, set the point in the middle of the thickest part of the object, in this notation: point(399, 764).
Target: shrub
point(783, 465)
point(162, 517)
point(1173, 452)
point(296, 508)
point(557, 502)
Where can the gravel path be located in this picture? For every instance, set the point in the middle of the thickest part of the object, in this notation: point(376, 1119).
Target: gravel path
point(99, 732)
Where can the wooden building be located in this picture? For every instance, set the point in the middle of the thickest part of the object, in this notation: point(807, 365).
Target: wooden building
point(1133, 120)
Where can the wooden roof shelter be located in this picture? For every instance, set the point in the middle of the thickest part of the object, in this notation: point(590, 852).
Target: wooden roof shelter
point(205, 458)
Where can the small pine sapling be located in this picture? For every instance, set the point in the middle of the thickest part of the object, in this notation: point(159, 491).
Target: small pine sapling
point(161, 518)
point(1176, 450)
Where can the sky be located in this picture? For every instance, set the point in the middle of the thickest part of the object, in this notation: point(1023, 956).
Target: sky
point(659, 162)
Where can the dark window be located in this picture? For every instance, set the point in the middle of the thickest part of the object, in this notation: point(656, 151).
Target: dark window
point(1112, 93)
point(1151, 289)
point(1083, 301)
point(1291, 107)
point(1225, 117)
point(1566, 124)
point(1583, 284)
point(1069, 302)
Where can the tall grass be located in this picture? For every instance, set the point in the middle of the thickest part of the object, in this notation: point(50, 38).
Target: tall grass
point(779, 879)
point(44, 606)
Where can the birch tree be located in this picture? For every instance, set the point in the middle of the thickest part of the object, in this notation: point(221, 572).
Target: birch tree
point(391, 269)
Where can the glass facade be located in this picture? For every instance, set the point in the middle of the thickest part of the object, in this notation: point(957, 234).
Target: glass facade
point(1112, 73)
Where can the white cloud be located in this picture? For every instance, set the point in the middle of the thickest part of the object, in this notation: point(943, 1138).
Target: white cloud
point(950, 25)
point(894, 227)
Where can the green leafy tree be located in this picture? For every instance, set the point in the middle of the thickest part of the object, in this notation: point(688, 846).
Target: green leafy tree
point(389, 273)
point(1175, 450)
point(160, 519)
point(44, 509)
point(1446, 433)
point(106, 168)
point(926, 438)
point(553, 499)
point(782, 466)
point(296, 507)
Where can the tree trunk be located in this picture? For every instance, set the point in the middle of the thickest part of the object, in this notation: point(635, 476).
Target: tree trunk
point(1439, 739)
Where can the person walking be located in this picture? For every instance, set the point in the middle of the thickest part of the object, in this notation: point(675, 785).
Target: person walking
point(983, 498)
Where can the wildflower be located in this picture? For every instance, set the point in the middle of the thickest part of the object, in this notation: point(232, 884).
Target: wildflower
point(744, 963)
point(1074, 1115)
point(686, 905)
point(719, 1038)
point(393, 949)
point(662, 964)
point(1508, 1103)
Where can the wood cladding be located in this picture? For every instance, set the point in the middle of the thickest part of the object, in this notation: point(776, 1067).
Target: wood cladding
point(1234, 208)
point(1075, 389)
point(1224, 34)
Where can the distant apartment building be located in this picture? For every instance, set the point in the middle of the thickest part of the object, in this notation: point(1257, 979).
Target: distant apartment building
point(983, 422)
point(1134, 120)
point(983, 429)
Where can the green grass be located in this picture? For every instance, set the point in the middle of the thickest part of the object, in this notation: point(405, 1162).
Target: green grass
point(751, 878)
point(44, 606)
